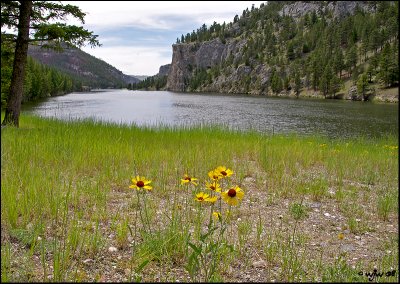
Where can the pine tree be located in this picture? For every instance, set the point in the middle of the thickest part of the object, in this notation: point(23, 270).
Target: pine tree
point(362, 85)
point(37, 18)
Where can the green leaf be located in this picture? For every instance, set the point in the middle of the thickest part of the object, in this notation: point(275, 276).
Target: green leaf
point(195, 248)
point(204, 236)
point(142, 265)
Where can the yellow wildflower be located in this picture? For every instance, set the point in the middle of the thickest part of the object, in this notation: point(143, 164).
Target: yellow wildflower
point(141, 182)
point(201, 197)
point(233, 195)
point(222, 170)
point(214, 175)
point(340, 236)
point(212, 199)
point(188, 179)
point(213, 186)
point(217, 215)
point(204, 197)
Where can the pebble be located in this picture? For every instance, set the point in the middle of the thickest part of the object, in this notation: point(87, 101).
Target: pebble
point(323, 244)
point(347, 248)
point(327, 214)
point(39, 238)
point(87, 260)
point(112, 249)
point(357, 237)
point(315, 205)
point(259, 264)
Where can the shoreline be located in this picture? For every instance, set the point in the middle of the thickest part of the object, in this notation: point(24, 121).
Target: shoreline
point(66, 200)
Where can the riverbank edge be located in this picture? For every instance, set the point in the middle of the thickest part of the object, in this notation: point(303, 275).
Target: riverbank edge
point(84, 156)
point(379, 97)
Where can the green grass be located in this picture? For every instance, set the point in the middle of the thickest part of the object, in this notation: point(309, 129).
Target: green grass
point(65, 199)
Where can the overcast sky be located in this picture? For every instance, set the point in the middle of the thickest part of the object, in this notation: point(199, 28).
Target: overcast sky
point(137, 36)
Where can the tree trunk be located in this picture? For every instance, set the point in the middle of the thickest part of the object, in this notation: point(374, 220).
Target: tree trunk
point(14, 99)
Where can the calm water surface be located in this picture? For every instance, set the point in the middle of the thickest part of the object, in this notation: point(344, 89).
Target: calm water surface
point(332, 118)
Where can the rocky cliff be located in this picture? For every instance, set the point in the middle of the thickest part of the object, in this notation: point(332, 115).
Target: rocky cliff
point(278, 43)
point(164, 70)
point(187, 57)
point(339, 9)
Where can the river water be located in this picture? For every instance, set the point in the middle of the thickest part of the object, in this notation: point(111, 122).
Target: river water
point(332, 118)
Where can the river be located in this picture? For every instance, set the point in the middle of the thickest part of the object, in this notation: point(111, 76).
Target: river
point(332, 118)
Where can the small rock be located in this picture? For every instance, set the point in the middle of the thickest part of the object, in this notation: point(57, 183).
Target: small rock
point(323, 244)
point(87, 260)
point(249, 179)
point(358, 220)
point(259, 264)
point(315, 205)
point(39, 238)
point(112, 249)
point(388, 251)
point(347, 248)
point(327, 214)
point(357, 237)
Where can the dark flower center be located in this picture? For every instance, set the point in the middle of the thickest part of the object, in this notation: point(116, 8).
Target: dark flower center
point(140, 183)
point(212, 187)
point(223, 173)
point(188, 178)
point(232, 192)
point(200, 198)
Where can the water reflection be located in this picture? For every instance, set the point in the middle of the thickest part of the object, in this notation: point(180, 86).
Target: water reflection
point(333, 118)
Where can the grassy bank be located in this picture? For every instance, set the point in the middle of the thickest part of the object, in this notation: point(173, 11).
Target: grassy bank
point(313, 210)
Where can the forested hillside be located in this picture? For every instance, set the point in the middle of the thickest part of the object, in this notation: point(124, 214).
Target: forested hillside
point(40, 80)
point(50, 73)
point(93, 72)
point(323, 48)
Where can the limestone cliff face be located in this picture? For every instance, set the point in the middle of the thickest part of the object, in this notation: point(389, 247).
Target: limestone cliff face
point(205, 55)
point(164, 70)
point(241, 75)
point(339, 9)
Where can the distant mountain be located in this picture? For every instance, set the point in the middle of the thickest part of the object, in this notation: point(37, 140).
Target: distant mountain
point(140, 77)
point(93, 72)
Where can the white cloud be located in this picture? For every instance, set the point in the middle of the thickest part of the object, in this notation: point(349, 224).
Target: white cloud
point(162, 17)
point(133, 60)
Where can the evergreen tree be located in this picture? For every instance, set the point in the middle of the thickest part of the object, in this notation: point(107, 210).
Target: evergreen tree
point(37, 17)
point(362, 85)
point(388, 68)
